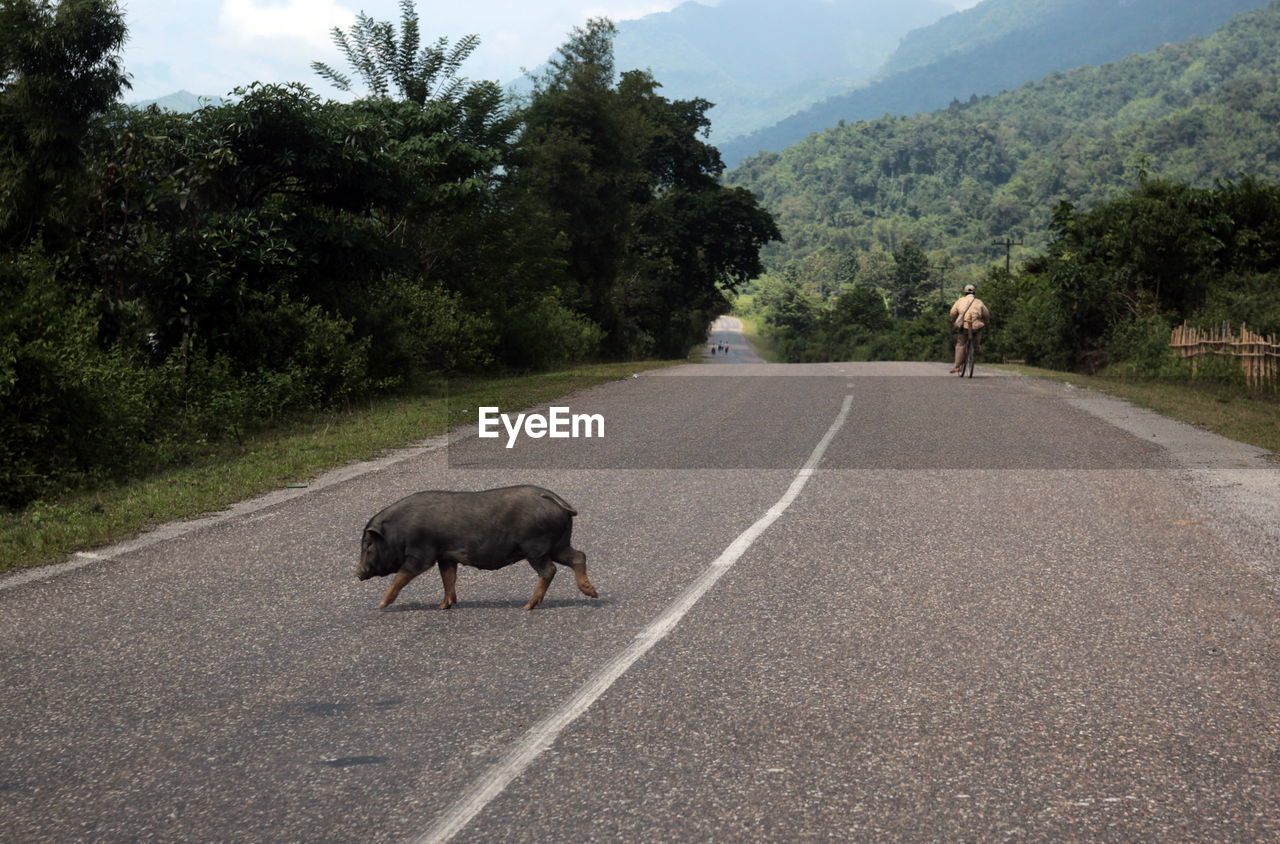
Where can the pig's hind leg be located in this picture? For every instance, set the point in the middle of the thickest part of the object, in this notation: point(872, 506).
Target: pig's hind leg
point(577, 561)
point(546, 572)
point(449, 577)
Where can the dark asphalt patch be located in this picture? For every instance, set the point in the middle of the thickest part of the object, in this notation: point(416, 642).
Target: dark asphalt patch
point(353, 761)
point(327, 708)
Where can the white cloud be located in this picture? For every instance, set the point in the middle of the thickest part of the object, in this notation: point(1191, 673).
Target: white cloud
point(309, 21)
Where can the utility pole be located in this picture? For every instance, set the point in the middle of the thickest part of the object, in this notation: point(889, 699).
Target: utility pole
point(1008, 244)
point(943, 266)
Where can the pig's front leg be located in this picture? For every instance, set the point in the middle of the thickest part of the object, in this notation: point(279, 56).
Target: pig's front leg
point(402, 580)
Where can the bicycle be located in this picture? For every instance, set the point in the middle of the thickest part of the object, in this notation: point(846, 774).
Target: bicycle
point(970, 354)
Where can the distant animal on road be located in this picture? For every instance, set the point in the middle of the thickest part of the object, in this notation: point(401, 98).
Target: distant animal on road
point(488, 530)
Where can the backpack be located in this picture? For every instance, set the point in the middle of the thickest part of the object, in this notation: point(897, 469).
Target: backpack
point(967, 322)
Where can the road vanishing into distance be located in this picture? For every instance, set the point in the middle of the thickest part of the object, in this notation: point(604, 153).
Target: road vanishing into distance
point(842, 601)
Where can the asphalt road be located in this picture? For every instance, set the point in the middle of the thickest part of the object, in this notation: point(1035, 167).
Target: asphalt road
point(991, 609)
point(725, 343)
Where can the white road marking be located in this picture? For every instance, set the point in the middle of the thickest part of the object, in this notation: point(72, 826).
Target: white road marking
point(542, 735)
point(78, 560)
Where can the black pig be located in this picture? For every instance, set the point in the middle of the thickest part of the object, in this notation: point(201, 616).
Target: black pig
point(488, 530)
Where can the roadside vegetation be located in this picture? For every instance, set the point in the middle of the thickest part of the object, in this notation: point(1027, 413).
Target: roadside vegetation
point(1102, 297)
point(171, 282)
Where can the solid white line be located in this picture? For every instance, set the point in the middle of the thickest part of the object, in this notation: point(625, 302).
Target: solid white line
point(543, 734)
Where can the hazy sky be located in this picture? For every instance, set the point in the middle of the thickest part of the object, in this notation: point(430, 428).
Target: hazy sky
point(209, 47)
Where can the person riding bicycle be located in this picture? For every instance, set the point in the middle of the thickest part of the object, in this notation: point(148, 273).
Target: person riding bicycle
point(968, 314)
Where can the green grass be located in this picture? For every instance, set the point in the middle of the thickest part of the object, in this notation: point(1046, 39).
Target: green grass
point(226, 473)
point(1247, 416)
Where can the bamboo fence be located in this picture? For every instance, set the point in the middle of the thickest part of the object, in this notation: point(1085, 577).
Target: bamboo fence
point(1259, 356)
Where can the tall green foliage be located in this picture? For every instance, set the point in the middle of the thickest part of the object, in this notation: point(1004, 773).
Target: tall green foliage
point(1117, 277)
point(171, 278)
point(651, 237)
point(59, 68)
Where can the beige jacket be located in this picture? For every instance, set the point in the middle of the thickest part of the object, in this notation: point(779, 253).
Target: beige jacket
point(969, 312)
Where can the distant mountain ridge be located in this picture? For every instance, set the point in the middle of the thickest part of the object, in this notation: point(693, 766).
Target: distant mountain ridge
point(180, 101)
point(761, 60)
point(965, 31)
point(1049, 36)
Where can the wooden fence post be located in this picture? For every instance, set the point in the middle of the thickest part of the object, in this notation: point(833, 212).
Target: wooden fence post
point(1259, 356)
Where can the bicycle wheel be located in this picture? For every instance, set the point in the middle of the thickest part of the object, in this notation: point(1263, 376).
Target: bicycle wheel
point(970, 353)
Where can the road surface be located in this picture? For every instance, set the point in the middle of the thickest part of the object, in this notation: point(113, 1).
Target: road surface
point(726, 343)
point(837, 601)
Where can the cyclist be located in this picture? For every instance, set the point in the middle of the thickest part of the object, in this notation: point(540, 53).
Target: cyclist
point(968, 314)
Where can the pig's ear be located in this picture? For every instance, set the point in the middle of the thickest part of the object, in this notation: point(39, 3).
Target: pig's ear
point(375, 530)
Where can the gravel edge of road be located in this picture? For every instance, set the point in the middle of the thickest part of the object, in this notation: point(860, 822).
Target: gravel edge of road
point(1231, 481)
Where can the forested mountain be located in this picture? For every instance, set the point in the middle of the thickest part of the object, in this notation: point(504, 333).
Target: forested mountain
point(955, 180)
point(995, 46)
point(761, 60)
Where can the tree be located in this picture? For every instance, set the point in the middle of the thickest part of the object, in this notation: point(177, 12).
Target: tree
point(651, 237)
point(385, 61)
point(576, 151)
point(59, 68)
point(910, 278)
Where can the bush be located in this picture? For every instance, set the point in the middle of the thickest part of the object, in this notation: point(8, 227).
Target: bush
point(1027, 321)
point(414, 328)
point(1252, 298)
point(925, 337)
point(547, 334)
point(1139, 347)
point(67, 408)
